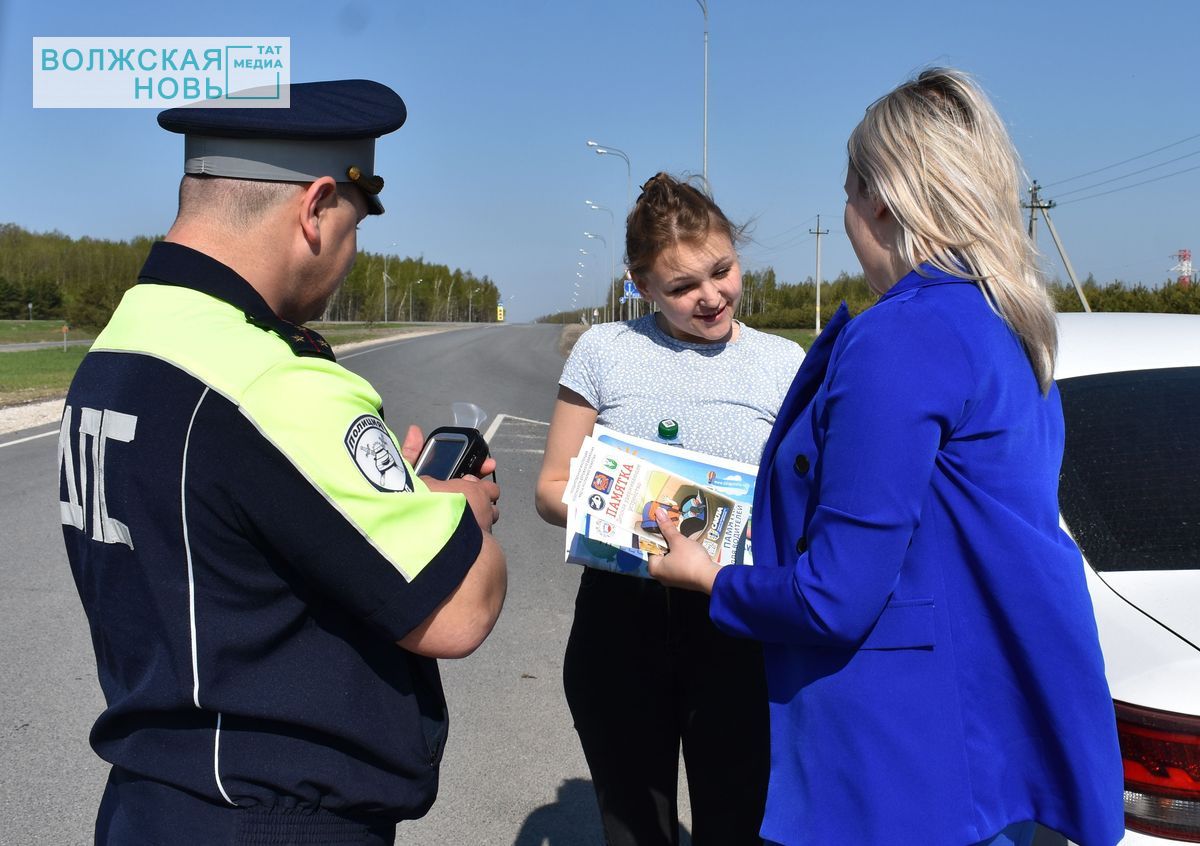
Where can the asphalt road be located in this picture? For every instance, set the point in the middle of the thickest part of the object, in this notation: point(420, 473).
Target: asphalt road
point(513, 772)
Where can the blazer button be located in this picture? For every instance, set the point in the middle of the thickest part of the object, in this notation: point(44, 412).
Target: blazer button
point(801, 464)
point(801, 546)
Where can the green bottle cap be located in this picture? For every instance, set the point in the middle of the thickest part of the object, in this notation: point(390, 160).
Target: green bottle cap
point(668, 429)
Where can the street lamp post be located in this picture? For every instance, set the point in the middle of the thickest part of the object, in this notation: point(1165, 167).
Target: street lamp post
point(602, 240)
point(583, 252)
point(410, 298)
point(387, 256)
point(612, 232)
point(604, 150)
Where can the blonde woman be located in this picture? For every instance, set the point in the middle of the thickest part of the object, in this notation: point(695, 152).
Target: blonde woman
point(933, 665)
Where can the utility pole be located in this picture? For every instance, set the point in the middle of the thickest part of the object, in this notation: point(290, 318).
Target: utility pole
point(818, 232)
point(385, 287)
point(1035, 205)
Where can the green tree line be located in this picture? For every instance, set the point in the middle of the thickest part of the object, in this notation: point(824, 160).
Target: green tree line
point(415, 290)
point(1121, 296)
point(81, 280)
point(768, 303)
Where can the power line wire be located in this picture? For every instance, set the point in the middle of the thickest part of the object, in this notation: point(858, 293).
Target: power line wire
point(1131, 173)
point(791, 229)
point(1134, 185)
point(1125, 161)
point(795, 240)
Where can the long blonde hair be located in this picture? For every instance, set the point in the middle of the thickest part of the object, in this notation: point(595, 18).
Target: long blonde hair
point(936, 153)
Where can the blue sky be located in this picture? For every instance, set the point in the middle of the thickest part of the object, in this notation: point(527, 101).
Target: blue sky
point(491, 171)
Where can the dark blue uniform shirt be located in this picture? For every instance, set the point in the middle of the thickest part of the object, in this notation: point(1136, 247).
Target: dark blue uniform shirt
point(249, 545)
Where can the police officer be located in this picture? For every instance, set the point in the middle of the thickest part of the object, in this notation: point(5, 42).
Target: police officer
point(267, 583)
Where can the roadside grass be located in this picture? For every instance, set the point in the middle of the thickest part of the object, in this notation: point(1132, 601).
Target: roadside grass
point(32, 375)
point(803, 337)
point(34, 331)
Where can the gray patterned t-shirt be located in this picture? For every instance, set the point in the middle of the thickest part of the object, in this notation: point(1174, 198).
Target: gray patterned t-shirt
point(725, 396)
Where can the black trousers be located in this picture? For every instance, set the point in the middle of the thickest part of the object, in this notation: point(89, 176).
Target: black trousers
point(138, 812)
point(647, 671)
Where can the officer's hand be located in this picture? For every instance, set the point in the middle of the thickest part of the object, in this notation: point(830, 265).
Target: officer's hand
point(687, 564)
point(481, 495)
point(414, 440)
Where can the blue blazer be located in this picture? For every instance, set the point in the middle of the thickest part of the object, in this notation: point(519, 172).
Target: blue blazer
point(932, 657)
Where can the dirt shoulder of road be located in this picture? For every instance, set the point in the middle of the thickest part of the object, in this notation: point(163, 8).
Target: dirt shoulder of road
point(29, 415)
point(570, 334)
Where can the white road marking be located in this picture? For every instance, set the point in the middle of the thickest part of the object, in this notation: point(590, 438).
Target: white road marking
point(500, 418)
point(30, 438)
point(380, 348)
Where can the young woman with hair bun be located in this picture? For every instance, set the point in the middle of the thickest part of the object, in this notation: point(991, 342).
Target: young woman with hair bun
point(646, 671)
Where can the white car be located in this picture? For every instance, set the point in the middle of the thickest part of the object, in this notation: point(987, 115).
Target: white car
point(1130, 496)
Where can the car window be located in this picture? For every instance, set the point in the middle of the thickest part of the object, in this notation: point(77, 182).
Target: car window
point(1130, 484)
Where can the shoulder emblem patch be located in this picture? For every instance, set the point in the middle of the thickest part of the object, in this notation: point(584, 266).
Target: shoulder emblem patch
point(373, 452)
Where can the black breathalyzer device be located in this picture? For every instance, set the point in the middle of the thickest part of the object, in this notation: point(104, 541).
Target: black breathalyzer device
point(452, 451)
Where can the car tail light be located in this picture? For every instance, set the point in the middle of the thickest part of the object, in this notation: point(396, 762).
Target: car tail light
point(1161, 753)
